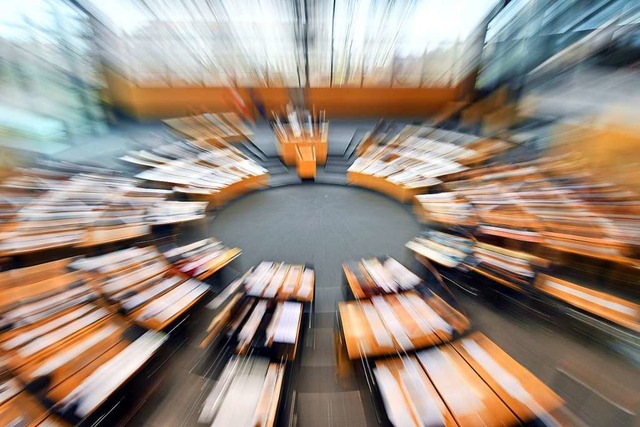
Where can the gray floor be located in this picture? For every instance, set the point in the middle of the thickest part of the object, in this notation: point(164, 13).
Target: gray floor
point(326, 225)
point(319, 224)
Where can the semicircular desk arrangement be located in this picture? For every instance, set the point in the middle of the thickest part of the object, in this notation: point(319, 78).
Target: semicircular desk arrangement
point(75, 331)
point(547, 231)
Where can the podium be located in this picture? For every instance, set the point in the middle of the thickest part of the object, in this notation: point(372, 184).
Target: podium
point(306, 161)
point(288, 143)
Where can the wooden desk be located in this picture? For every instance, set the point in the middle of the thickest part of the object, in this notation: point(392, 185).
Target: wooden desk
point(470, 399)
point(251, 383)
point(281, 281)
point(608, 253)
point(216, 265)
point(536, 400)
point(306, 162)
point(105, 235)
point(255, 324)
point(24, 410)
point(398, 191)
point(33, 274)
point(227, 126)
point(288, 142)
point(402, 383)
point(497, 279)
point(59, 335)
point(361, 277)
point(199, 262)
point(420, 321)
point(601, 304)
point(146, 274)
point(442, 248)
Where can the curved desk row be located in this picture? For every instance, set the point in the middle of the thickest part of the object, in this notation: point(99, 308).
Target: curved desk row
point(143, 285)
point(85, 211)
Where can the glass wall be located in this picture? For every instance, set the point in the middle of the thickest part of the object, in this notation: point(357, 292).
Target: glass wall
point(50, 74)
point(526, 33)
point(320, 43)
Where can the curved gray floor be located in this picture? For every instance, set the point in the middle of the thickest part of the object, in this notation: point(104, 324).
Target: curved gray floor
point(324, 225)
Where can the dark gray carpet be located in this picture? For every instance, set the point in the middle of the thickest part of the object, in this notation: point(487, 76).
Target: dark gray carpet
point(323, 225)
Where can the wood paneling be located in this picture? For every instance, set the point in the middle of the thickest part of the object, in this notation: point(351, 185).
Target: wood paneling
point(162, 102)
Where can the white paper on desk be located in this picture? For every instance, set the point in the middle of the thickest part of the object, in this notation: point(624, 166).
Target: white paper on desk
point(258, 279)
point(306, 285)
point(507, 381)
point(377, 327)
point(242, 397)
point(434, 319)
point(61, 333)
point(458, 394)
point(397, 410)
point(69, 354)
point(423, 400)
point(150, 293)
point(181, 250)
point(249, 329)
point(46, 328)
point(201, 261)
point(108, 377)
point(403, 276)
point(391, 322)
point(183, 302)
point(161, 303)
point(119, 283)
point(30, 308)
point(8, 389)
point(287, 330)
point(276, 281)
